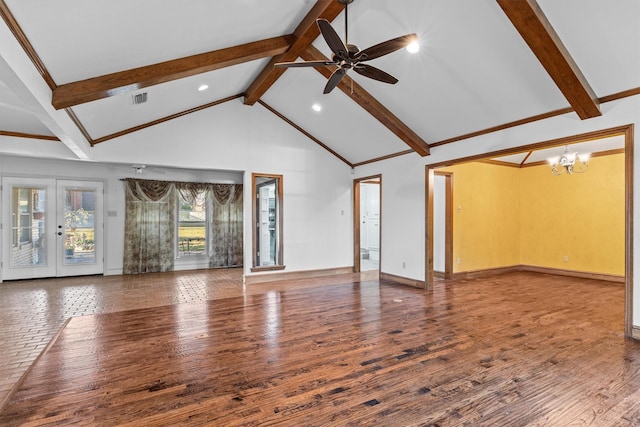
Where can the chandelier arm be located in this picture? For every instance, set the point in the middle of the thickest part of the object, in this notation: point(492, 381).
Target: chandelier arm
point(569, 163)
point(582, 168)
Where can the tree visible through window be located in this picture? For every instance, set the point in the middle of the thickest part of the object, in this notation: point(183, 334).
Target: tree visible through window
point(192, 224)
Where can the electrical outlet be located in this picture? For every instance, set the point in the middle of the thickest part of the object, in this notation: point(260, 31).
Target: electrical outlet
point(404, 264)
point(459, 261)
point(565, 258)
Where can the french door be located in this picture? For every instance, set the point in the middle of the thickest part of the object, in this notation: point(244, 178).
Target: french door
point(51, 228)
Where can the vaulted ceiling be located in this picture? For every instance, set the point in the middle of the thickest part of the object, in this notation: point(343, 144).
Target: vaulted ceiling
point(483, 65)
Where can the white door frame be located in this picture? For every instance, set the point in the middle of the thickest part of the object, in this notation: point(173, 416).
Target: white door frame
point(53, 241)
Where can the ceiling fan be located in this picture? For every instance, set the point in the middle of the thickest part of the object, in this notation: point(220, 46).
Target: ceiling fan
point(347, 56)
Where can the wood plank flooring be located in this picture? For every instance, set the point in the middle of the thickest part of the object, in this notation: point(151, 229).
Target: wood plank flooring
point(517, 349)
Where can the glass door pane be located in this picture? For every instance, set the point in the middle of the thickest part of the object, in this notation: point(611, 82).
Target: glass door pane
point(29, 239)
point(28, 226)
point(79, 226)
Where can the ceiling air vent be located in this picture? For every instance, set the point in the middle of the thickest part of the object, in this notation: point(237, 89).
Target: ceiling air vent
point(139, 98)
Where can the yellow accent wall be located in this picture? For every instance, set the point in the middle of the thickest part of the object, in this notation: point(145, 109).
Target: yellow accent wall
point(580, 217)
point(486, 216)
point(505, 216)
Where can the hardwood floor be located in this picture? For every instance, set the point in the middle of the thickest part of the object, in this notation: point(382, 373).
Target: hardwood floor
point(511, 350)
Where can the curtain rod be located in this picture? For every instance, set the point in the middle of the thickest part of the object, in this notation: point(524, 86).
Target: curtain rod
point(177, 182)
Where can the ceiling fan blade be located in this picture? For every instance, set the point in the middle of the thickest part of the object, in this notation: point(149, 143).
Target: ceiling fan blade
point(332, 38)
point(334, 79)
point(375, 73)
point(384, 48)
point(303, 64)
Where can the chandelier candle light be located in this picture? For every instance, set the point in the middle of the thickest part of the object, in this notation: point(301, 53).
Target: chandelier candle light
point(569, 162)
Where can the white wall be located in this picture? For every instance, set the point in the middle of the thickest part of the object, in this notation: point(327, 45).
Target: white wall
point(113, 189)
point(402, 214)
point(317, 230)
point(403, 183)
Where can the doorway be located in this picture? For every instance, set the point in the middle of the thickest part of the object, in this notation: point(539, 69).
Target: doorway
point(367, 196)
point(624, 131)
point(51, 228)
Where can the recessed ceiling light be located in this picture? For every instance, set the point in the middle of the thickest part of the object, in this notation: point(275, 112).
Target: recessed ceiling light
point(316, 107)
point(203, 87)
point(413, 47)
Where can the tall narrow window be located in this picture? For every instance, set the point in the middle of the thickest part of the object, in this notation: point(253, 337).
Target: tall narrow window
point(267, 221)
point(192, 223)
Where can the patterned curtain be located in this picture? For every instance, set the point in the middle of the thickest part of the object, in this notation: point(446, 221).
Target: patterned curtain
point(191, 190)
point(225, 244)
point(149, 226)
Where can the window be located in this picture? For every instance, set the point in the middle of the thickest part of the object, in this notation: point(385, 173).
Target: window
point(192, 224)
point(267, 220)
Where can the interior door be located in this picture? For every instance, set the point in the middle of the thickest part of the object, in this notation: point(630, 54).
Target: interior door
point(367, 223)
point(51, 228)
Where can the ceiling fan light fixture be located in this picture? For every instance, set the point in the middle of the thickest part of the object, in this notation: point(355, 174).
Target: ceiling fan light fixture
point(413, 47)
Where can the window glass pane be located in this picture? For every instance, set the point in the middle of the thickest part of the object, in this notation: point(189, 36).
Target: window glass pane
point(267, 223)
point(192, 224)
point(28, 227)
point(79, 227)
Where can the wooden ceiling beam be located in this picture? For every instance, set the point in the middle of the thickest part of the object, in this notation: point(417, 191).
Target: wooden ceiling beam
point(95, 88)
point(29, 135)
point(527, 17)
point(363, 98)
point(306, 32)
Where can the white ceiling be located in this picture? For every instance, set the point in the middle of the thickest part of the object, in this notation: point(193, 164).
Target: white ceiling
point(474, 71)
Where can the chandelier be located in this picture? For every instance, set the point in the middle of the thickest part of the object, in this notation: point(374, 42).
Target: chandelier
point(569, 162)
